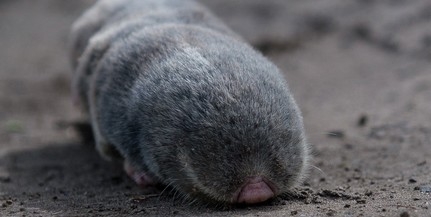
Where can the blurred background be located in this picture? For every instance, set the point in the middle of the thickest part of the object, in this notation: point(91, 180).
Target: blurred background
point(360, 71)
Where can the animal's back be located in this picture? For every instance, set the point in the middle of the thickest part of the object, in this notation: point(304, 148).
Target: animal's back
point(110, 22)
point(108, 16)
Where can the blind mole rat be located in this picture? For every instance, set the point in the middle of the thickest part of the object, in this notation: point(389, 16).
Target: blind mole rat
point(186, 102)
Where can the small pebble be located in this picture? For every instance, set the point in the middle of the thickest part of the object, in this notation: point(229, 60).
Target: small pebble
point(361, 201)
point(362, 121)
point(405, 214)
point(422, 163)
point(362, 31)
point(411, 180)
point(348, 146)
point(425, 189)
point(331, 213)
point(336, 134)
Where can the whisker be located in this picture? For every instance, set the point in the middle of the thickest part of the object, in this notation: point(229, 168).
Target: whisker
point(167, 186)
point(327, 133)
point(318, 169)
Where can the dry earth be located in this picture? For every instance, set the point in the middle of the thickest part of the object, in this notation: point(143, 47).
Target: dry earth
point(360, 71)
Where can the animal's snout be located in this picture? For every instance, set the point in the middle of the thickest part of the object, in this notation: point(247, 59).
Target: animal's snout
point(254, 190)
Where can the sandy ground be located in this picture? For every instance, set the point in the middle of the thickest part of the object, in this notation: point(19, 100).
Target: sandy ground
point(360, 70)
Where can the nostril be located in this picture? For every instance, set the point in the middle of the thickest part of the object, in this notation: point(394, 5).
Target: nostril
point(255, 190)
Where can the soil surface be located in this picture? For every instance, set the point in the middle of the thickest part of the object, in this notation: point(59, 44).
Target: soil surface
point(360, 71)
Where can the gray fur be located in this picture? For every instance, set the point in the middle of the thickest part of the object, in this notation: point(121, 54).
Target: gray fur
point(180, 96)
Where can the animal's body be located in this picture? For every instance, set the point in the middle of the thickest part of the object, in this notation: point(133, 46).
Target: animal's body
point(185, 102)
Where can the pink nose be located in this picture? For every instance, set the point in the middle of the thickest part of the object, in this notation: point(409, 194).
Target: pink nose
point(255, 190)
